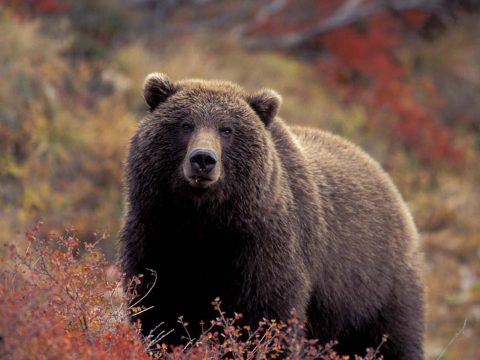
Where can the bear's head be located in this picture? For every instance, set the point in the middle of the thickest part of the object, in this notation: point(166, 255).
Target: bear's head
point(204, 139)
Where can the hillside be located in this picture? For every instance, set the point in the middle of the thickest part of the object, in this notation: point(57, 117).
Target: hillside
point(70, 98)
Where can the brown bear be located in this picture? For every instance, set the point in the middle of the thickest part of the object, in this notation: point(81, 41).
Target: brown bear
point(225, 200)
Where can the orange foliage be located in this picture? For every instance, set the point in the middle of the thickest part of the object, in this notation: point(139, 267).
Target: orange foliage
point(364, 65)
point(59, 299)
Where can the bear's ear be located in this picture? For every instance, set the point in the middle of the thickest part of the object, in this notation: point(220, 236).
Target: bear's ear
point(266, 104)
point(157, 88)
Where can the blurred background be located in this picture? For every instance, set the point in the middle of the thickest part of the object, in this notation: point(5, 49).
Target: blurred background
point(401, 78)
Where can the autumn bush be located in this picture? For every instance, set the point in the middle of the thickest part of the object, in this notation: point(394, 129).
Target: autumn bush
point(60, 299)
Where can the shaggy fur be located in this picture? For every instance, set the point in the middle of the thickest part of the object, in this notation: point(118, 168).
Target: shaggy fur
point(298, 218)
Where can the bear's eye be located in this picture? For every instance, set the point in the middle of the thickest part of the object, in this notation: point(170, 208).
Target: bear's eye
point(226, 131)
point(187, 127)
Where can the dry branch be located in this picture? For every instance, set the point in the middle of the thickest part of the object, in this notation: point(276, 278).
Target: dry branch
point(351, 11)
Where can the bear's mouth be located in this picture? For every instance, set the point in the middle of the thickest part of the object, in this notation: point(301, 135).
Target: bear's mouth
point(200, 181)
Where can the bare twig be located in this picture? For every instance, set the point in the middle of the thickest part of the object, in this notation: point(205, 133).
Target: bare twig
point(348, 13)
point(189, 337)
point(142, 311)
point(459, 332)
point(151, 347)
point(148, 292)
point(262, 341)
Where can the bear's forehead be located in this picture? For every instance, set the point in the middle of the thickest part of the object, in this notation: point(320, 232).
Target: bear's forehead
point(205, 97)
point(202, 110)
point(211, 86)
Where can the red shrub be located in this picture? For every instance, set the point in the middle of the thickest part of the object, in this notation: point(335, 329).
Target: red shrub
point(59, 299)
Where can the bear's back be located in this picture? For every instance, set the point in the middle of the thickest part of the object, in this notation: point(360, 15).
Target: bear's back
point(367, 221)
point(352, 185)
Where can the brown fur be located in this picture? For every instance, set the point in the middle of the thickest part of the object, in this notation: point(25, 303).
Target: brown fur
point(296, 218)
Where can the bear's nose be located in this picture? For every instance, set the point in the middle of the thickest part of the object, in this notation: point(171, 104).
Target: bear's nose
point(202, 160)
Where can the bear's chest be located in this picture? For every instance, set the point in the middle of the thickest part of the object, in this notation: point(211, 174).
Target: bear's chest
point(196, 258)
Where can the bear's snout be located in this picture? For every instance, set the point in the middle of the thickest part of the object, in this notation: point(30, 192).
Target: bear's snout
point(201, 169)
point(202, 165)
point(202, 161)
